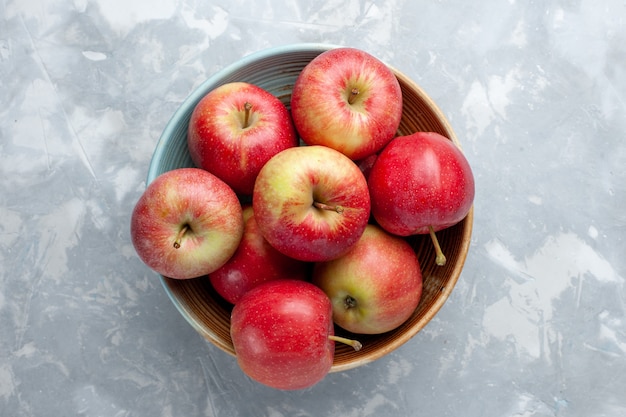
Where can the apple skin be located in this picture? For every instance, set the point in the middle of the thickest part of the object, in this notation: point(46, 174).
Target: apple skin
point(376, 286)
point(219, 142)
point(286, 195)
point(418, 181)
point(186, 197)
point(280, 331)
point(323, 115)
point(255, 261)
point(366, 164)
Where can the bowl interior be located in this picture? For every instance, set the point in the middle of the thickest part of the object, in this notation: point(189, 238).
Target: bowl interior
point(276, 71)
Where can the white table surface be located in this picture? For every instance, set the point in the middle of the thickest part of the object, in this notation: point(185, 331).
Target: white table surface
point(536, 92)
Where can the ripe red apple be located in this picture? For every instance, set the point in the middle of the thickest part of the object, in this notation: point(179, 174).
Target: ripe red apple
point(255, 261)
point(311, 203)
point(348, 100)
point(235, 129)
point(187, 223)
point(283, 334)
point(376, 286)
point(419, 184)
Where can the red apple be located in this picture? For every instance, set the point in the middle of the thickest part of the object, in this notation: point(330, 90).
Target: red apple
point(283, 334)
point(311, 203)
point(376, 286)
point(235, 129)
point(348, 100)
point(419, 184)
point(254, 262)
point(186, 224)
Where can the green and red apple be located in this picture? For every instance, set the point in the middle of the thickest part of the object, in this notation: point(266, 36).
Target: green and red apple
point(348, 100)
point(376, 286)
point(311, 203)
point(186, 224)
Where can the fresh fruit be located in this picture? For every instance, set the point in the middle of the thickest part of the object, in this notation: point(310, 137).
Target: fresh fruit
point(376, 286)
point(311, 203)
point(311, 257)
point(235, 129)
point(254, 262)
point(421, 183)
point(348, 100)
point(283, 334)
point(187, 223)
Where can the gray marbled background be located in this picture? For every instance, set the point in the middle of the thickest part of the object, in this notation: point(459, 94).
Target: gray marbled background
point(536, 92)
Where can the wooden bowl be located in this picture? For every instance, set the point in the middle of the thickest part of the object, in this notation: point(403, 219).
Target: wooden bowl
point(276, 70)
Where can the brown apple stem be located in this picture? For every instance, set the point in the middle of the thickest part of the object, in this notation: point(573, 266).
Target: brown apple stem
point(179, 236)
point(350, 342)
point(246, 115)
point(322, 206)
point(353, 93)
point(440, 258)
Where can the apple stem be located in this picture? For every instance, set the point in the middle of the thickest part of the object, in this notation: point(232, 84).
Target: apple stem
point(246, 115)
point(353, 93)
point(338, 209)
point(350, 342)
point(440, 258)
point(179, 236)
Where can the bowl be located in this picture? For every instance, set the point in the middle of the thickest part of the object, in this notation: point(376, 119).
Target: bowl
point(276, 70)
